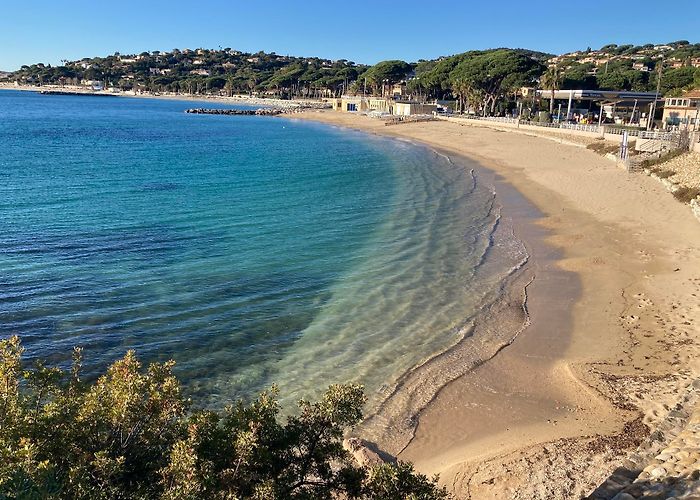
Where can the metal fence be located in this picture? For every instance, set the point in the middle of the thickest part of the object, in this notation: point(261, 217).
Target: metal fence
point(516, 121)
point(620, 131)
point(659, 135)
point(498, 119)
point(580, 127)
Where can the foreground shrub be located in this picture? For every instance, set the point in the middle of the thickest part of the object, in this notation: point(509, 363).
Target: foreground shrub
point(132, 435)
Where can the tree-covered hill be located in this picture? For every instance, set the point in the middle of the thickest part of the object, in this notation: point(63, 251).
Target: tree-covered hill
point(632, 67)
point(200, 71)
point(230, 72)
point(478, 78)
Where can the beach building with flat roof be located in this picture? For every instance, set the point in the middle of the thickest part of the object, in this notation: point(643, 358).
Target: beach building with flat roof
point(407, 108)
point(607, 96)
point(683, 110)
point(350, 104)
point(384, 105)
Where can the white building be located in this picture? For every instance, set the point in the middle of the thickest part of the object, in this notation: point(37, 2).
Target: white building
point(407, 108)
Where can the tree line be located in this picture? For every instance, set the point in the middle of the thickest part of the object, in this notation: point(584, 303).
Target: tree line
point(202, 71)
point(484, 81)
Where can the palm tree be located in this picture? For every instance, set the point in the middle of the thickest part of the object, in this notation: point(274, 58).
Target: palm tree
point(461, 90)
point(551, 80)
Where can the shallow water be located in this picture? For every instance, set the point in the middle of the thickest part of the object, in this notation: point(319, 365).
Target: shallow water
point(252, 250)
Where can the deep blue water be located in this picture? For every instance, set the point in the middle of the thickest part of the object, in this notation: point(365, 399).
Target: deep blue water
point(251, 250)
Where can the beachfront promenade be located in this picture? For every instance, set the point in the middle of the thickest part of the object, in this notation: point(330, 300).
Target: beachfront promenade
point(584, 131)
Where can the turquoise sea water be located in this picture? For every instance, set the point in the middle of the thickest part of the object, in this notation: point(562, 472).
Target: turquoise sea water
point(252, 250)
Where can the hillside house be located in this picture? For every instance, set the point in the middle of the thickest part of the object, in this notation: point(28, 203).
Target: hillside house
point(683, 111)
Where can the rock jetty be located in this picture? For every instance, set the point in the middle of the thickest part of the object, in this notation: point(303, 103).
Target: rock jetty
point(77, 92)
point(242, 112)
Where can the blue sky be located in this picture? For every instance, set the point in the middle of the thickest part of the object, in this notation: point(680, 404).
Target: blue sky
point(362, 31)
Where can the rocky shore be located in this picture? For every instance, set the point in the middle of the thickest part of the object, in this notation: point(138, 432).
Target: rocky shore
point(681, 176)
point(666, 464)
point(685, 169)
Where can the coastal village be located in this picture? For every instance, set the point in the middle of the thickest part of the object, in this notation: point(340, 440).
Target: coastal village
point(606, 144)
point(526, 84)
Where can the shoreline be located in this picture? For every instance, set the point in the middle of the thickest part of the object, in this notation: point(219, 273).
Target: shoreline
point(391, 427)
point(531, 402)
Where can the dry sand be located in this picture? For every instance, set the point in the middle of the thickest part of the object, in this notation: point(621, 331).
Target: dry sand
point(592, 379)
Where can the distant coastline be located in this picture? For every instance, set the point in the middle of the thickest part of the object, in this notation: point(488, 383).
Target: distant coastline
point(233, 100)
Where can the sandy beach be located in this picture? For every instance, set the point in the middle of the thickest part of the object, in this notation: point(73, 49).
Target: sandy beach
point(610, 349)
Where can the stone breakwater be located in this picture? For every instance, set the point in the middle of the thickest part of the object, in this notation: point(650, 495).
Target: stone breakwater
point(71, 92)
point(682, 171)
point(240, 112)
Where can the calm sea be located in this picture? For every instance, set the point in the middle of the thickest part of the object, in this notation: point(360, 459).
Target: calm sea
point(252, 250)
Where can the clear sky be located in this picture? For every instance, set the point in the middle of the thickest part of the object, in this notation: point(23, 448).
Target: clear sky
point(362, 31)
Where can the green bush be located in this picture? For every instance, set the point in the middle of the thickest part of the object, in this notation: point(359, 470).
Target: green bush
point(132, 435)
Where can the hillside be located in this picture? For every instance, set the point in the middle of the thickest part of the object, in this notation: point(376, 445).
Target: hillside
point(628, 67)
point(200, 71)
point(462, 76)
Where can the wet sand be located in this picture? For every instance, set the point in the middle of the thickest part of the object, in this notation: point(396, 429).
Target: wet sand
point(612, 337)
